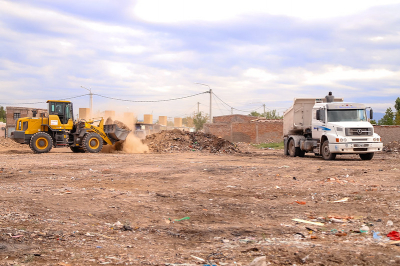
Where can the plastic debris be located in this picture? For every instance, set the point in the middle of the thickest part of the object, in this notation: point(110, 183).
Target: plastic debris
point(184, 218)
point(197, 258)
point(308, 222)
point(341, 200)
point(364, 229)
point(394, 235)
point(376, 235)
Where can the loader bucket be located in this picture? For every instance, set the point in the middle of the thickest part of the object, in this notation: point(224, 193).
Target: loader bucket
point(115, 133)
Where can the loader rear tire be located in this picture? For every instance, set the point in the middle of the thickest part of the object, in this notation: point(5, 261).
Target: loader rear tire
point(92, 142)
point(41, 142)
point(77, 149)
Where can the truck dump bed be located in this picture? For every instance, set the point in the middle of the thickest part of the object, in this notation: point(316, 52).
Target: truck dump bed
point(299, 116)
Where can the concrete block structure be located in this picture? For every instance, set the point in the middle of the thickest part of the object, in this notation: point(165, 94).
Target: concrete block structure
point(84, 113)
point(129, 118)
point(148, 119)
point(163, 120)
point(244, 128)
point(177, 122)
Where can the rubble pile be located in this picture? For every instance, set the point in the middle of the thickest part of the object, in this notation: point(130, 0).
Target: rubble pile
point(393, 146)
point(180, 141)
point(9, 143)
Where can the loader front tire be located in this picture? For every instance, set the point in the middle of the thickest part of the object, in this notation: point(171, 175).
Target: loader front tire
point(92, 142)
point(41, 142)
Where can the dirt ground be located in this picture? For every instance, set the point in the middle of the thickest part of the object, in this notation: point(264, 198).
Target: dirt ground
point(196, 208)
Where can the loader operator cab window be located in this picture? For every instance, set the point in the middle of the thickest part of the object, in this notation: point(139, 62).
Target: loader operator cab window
point(62, 109)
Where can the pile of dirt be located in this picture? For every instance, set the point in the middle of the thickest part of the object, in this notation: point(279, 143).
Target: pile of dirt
point(393, 146)
point(180, 141)
point(7, 143)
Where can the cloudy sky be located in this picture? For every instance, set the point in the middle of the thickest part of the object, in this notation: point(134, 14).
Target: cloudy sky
point(249, 53)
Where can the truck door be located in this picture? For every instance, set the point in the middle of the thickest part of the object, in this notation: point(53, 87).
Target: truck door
point(318, 125)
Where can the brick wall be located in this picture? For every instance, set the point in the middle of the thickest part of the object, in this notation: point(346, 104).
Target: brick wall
point(233, 118)
point(246, 131)
point(388, 133)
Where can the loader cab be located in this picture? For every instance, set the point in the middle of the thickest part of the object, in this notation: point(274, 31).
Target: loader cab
point(63, 109)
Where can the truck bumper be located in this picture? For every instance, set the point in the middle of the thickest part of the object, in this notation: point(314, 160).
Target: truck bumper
point(356, 147)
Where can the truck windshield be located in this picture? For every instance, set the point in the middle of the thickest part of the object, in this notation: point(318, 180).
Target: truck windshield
point(346, 115)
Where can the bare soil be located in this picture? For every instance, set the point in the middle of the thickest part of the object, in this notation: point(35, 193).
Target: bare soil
point(63, 208)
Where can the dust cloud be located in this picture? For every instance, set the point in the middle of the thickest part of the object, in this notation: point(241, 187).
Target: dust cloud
point(132, 144)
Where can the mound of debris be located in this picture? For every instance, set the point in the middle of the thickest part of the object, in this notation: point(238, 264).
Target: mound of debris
point(181, 141)
point(393, 146)
point(7, 143)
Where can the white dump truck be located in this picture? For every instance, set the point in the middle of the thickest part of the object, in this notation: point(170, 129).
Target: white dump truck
point(329, 126)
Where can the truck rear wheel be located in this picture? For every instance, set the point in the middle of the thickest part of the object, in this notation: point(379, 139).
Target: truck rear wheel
point(41, 142)
point(92, 142)
point(293, 151)
point(326, 153)
point(366, 156)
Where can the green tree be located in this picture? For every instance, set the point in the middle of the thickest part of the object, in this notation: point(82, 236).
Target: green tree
point(199, 120)
point(388, 118)
point(2, 114)
point(273, 114)
point(397, 107)
point(254, 113)
point(373, 122)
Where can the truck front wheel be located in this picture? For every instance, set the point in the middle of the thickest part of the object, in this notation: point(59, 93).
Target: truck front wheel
point(326, 153)
point(366, 156)
point(293, 151)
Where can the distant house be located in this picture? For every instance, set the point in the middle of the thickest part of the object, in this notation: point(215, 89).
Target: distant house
point(14, 113)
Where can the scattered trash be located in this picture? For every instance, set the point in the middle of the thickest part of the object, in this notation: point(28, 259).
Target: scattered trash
point(184, 218)
point(376, 235)
point(341, 200)
point(260, 261)
point(364, 229)
point(394, 235)
point(197, 258)
point(300, 202)
point(389, 223)
point(334, 220)
point(308, 222)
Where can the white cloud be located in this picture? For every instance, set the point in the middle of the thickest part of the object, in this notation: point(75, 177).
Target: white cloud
point(173, 11)
point(335, 74)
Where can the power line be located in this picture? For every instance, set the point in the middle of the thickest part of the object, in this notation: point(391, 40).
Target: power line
point(154, 101)
point(236, 108)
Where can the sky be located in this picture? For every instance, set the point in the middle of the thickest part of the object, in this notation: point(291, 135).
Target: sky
point(250, 53)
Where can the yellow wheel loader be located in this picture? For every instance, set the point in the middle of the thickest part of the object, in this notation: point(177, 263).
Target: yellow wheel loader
point(58, 129)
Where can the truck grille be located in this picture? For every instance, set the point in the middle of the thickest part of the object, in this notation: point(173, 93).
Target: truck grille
point(359, 132)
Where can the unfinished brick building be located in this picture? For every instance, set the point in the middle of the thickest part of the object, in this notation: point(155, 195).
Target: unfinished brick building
point(13, 113)
point(244, 128)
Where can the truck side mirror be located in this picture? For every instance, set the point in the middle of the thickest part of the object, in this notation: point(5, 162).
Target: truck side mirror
point(318, 116)
point(371, 114)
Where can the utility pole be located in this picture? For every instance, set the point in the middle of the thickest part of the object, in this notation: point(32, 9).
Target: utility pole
point(210, 99)
point(231, 110)
point(91, 99)
point(198, 107)
point(264, 107)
